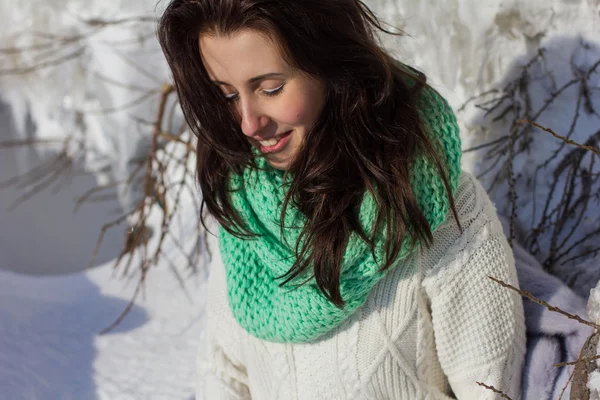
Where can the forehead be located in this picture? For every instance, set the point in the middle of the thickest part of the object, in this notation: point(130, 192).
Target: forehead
point(239, 56)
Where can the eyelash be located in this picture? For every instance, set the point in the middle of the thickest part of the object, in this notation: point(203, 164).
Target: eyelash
point(275, 92)
point(270, 93)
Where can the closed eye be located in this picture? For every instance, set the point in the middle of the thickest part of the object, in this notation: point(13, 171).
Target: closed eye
point(276, 91)
point(273, 92)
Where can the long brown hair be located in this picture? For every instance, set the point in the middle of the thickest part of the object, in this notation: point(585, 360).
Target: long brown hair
point(366, 137)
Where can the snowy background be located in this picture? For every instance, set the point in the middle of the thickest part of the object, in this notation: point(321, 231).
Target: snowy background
point(92, 71)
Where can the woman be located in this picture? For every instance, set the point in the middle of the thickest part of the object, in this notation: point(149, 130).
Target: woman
point(355, 253)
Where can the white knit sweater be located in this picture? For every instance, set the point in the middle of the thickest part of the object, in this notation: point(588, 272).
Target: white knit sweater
point(430, 329)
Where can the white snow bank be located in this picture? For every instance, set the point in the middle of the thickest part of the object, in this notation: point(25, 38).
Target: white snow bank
point(94, 72)
point(49, 325)
point(51, 348)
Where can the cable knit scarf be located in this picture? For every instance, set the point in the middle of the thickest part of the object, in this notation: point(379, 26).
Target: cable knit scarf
point(280, 314)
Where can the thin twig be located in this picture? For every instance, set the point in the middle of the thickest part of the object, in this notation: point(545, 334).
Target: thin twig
point(564, 139)
point(30, 142)
point(562, 392)
point(50, 63)
point(493, 389)
point(125, 311)
point(543, 303)
point(587, 359)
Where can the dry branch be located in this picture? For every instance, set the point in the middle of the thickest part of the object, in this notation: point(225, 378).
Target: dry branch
point(564, 139)
point(493, 389)
point(586, 364)
point(543, 303)
point(150, 171)
point(573, 180)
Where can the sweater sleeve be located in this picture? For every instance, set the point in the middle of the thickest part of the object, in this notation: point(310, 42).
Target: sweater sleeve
point(219, 377)
point(221, 370)
point(478, 325)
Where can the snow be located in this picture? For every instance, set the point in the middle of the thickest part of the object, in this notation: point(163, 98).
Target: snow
point(50, 319)
point(593, 305)
point(472, 49)
point(99, 97)
point(51, 347)
point(562, 59)
point(594, 385)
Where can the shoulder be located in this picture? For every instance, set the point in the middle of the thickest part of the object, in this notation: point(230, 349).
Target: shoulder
point(480, 228)
point(473, 206)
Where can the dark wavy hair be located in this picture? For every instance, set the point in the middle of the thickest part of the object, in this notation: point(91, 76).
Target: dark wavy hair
point(366, 138)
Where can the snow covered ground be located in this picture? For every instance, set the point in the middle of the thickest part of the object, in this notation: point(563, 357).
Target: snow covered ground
point(50, 347)
point(52, 309)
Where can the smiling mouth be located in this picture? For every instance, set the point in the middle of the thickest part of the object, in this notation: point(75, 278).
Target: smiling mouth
point(275, 144)
point(273, 141)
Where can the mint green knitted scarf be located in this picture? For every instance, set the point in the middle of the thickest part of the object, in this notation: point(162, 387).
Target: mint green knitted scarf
point(279, 314)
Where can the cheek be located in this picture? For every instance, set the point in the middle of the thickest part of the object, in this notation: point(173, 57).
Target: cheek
point(292, 113)
point(298, 112)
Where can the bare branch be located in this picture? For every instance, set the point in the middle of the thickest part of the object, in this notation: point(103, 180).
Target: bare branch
point(50, 63)
point(493, 389)
point(564, 139)
point(577, 361)
point(543, 303)
point(30, 142)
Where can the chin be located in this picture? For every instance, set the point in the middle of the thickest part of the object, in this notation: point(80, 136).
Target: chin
point(282, 166)
point(281, 162)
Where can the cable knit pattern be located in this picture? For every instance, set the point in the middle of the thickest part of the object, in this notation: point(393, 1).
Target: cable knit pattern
point(279, 314)
point(428, 330)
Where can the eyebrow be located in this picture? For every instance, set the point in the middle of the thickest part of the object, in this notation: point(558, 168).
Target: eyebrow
point(255, 79)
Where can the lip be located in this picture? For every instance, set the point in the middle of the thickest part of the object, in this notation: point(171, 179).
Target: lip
point(279, 145)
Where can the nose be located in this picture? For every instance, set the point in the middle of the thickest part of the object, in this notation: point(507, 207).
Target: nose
point(253, 118)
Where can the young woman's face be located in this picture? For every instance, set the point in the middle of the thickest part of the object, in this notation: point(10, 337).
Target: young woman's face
point(276, 104)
